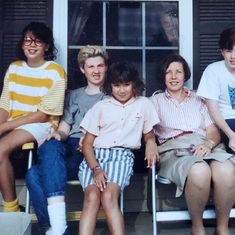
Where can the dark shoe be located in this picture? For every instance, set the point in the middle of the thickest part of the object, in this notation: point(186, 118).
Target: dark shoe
point(67, 232)
point(22, 208)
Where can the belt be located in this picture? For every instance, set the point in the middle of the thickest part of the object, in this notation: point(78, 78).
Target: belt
point(181, 134)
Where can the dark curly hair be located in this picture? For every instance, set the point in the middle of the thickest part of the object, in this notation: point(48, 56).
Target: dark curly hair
point(163, 66)
point(227, 39)
point(43, 33)
point(122, 73)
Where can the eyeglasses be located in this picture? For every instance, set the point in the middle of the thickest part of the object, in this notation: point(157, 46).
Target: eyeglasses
point(29, 41)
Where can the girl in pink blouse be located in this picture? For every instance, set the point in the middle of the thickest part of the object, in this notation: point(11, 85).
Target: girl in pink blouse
point(113, 128)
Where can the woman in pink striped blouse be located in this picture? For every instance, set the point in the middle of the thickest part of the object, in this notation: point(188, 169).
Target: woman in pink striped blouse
point(187, 135)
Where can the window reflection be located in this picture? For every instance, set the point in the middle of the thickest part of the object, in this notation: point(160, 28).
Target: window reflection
point(132, 56)
point(139, 32)
point(162, 24)
point(85, 23)
point(124, 24)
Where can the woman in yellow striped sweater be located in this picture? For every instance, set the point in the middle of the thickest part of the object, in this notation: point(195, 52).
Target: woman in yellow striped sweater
point(31, 101)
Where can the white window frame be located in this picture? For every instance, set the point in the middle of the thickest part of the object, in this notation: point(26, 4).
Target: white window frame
point(60, 30)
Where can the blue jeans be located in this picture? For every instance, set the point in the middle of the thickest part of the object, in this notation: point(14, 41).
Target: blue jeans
point(224, 138)
point(57, 162)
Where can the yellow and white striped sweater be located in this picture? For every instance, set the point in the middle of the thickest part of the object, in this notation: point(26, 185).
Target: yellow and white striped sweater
point(28, 90)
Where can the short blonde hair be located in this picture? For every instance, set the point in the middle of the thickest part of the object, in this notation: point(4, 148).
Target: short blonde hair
point(91, 51)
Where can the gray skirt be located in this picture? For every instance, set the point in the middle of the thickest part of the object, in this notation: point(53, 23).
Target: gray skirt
point(176, 168)
point(116, 162)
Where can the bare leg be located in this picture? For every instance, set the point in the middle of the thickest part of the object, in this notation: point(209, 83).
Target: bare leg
point(8, 144)
point(91, 206)
point(7, 180)
point(197, 191)
point(223, 176)
point(109, 201)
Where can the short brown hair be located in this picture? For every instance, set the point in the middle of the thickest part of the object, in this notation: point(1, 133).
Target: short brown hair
point(163, 66)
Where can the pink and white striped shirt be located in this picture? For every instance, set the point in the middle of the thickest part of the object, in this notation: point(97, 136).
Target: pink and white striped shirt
point(189, 115)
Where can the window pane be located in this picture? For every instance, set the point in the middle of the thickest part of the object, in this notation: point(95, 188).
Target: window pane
point(124, 27)
point(85, 23)
point(162, 24)
point(138, 32)
point(130, 56)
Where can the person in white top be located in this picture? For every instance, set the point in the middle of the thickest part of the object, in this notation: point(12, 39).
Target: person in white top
point(114, 127)
point(217, 86)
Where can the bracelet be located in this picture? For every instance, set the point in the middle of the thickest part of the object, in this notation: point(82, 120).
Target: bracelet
point(93, 169)
point(212, 142)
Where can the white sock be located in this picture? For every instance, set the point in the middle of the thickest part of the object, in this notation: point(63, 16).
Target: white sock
point(57, 215)
point(48, 232)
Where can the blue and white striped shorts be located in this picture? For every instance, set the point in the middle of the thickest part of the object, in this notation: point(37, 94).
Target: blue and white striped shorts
point(116, 162)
